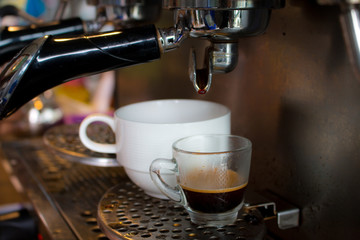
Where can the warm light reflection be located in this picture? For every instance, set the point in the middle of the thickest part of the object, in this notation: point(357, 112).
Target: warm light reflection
point(107, 34)
point(14, 28)
point(38, 104)
point(64, 39)
point(77, 53)
point(92, 36)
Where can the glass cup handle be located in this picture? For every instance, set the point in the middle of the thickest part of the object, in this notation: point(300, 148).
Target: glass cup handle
point(174, 193)
point(95, 146)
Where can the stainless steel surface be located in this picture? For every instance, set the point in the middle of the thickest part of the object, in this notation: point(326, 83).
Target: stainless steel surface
point(64, 194)
point(224, 25)
point(272, 206)
point(127, 13)
point(222, 4)
point(221, 58)
point(288, 218)
point(295, 96)
point(125, 212)
point(350, 22)
point(221, 22)
point(224, 57)
point(41, 113)
point(171, 38)
point(64, 141)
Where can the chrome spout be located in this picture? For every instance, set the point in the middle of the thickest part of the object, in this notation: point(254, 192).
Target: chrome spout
point(224, 56)
point(219, 58)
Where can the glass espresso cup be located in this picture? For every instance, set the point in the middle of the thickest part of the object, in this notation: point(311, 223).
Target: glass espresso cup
point(212, 173)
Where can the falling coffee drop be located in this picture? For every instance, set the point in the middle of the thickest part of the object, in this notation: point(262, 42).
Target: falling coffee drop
point(202, 80)
point(201, 91)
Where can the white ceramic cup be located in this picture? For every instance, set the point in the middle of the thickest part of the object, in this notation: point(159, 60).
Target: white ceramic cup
point(145, 131)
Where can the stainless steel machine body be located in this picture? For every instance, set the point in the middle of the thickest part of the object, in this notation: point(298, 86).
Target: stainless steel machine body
point(221, 22)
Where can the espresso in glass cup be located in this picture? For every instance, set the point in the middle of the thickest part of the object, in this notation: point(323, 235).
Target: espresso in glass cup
point(212, 173)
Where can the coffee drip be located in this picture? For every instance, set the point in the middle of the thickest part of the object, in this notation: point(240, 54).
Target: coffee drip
point(201, 78)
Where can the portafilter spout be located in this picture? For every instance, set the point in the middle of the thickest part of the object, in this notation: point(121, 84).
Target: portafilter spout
point(221, 22)
point(50, 61)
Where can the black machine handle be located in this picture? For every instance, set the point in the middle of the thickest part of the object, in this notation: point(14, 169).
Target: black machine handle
point(57, 60)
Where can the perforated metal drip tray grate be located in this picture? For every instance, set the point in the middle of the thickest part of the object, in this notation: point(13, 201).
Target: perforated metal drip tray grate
point(126, 212)
point(64, 141)
point(65, 194)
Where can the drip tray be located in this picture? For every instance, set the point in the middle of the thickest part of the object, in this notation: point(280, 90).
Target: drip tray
point(64, 141)
point(126, 212)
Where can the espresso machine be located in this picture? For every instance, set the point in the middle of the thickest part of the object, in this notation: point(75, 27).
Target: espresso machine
point(221, 23)
point(288, 81)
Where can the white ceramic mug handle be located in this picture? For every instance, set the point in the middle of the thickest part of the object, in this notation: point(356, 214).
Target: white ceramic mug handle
point(95, 146)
